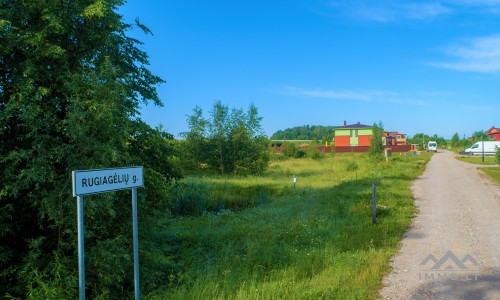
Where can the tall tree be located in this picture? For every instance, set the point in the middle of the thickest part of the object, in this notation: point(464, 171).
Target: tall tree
point(71, 82)
point(219, 131)
point(195, 144)
point(376, 151)
point(455, 139)
point(233, 143)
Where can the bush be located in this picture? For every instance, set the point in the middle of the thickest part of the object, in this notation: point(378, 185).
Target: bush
point(193, 199)
point(376, 152)
point(351, 165)
point(497, 155)
point(290, 150)
point(314, 153)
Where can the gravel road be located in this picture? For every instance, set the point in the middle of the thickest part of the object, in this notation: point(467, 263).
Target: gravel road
point(452, 249)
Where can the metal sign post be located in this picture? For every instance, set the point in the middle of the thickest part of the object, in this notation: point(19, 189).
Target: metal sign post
point(81, 258)
point(136, 243)
point(87, 182)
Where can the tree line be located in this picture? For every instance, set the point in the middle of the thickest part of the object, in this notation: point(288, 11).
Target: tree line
point(306, 132)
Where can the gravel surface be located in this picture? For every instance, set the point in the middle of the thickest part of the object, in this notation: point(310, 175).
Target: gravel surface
point(459, 215)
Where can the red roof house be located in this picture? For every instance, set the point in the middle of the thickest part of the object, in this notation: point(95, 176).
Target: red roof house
point(494, 133)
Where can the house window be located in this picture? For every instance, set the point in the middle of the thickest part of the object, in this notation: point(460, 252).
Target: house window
point(356, 133)
point(351, 131)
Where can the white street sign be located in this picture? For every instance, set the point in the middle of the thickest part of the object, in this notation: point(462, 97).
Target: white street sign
point(87, 182)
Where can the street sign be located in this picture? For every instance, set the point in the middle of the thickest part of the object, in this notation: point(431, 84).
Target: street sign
point(87, 182)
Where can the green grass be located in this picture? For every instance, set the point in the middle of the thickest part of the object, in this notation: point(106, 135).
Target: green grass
point(493, 172)
point(312, 241)
point(488, 160)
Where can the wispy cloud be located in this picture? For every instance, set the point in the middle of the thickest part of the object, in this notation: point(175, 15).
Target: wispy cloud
point(375, 96)
point(390, 11)
point(481, 107)
point(393, 11)
point(476, 55)
point(330, 94)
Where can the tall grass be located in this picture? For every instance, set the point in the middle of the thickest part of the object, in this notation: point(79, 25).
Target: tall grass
point(312, 241)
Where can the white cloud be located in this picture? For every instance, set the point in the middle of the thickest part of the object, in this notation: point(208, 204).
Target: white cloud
point(476, 55)
point(389, 11)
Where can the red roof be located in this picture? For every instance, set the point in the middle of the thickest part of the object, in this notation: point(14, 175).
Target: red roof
point(493, 130)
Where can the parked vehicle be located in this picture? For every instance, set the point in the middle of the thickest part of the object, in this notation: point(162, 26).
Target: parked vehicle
point(432, 146)
point(490, 148)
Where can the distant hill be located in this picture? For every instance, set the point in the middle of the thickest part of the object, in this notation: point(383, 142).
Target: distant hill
point(306, 132)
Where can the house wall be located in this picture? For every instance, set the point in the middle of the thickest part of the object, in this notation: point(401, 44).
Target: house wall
point(343, 140)
point(364, 140)
point(343, 137)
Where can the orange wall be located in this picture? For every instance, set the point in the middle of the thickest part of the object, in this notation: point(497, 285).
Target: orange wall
point(364, 140)
point(342, 141)
point(345, 141)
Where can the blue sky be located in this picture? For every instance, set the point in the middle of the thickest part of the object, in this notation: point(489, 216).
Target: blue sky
point(426, 66)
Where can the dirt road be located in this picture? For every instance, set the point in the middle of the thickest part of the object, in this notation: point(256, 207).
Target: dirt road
point(452, 250)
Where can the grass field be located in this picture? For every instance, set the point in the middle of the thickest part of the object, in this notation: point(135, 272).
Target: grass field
point(312, 241)
point(488, 160)
point(493, 172)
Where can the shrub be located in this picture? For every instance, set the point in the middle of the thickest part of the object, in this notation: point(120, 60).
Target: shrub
point(314, 153)
point(351, 165)
point(292, 151)
point(376, 152)
point(497, 155)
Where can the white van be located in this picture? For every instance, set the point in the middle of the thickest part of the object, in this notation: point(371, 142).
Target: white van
point(432, 146)
point(489, 148)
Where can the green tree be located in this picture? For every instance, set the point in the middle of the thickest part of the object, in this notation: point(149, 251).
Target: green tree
point(71, 82)
point(194, 150)
point(477, 136)
point(219, 132)
point(233, 143)
point(376, 151)
point(455, 140)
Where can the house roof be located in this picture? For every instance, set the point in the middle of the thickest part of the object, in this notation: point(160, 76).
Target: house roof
point(354, 126)
point(493, 130)
point(394, 133)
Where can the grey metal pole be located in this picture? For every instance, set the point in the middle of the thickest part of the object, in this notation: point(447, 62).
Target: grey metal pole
point(482, 141)
point(81, 258)
point(136, 243)
point(374, 204)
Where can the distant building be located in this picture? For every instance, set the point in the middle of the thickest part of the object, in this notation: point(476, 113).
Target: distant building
point(494, 133)
point(396, 138)
point(355, 135)
point(357, 138)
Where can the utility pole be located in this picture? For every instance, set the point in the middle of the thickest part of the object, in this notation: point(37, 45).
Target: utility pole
point(464, 143)
point(482, 142)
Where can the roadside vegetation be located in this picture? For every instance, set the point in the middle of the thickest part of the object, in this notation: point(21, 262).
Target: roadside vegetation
point(493, 172)
point(488, 160)
point(276, 241)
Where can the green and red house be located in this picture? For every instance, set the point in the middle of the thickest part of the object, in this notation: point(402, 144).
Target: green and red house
point(357, 138)
point(355, 135)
